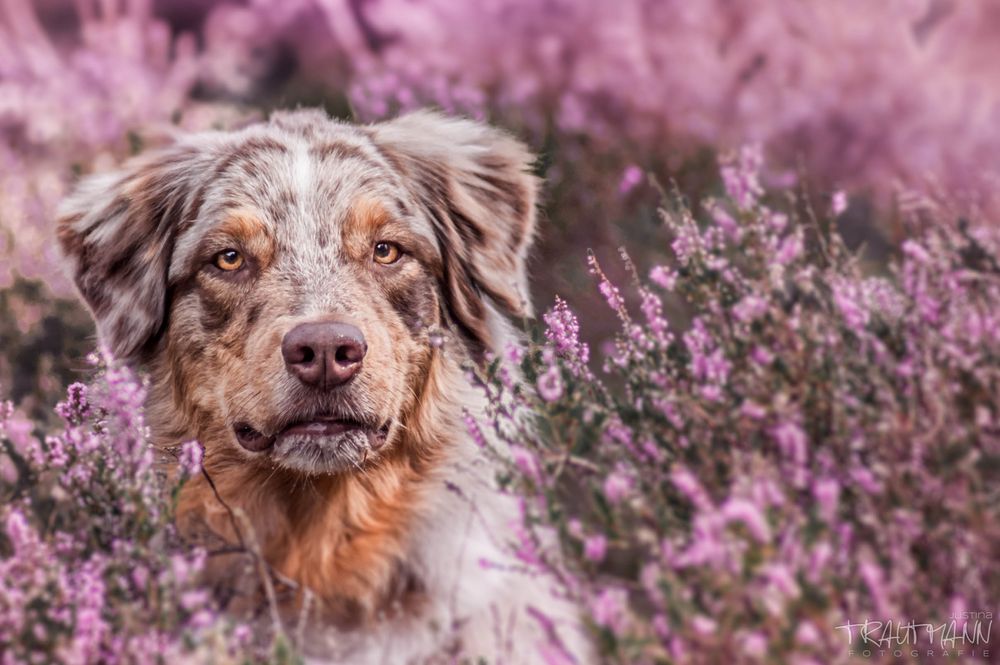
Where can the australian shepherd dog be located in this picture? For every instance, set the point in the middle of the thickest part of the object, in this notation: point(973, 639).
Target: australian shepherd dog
point(306, 297)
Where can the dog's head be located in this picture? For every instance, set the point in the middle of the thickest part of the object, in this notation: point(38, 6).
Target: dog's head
point(289, 283)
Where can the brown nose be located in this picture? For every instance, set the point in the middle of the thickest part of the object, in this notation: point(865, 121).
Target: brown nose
point(324, 354)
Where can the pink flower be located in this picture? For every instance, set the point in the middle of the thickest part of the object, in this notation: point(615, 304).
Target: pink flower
point(192, 453)
point(807, 633)
point(617, 486)
point(740, 176)
point(703, 625)
point(595, 547)
point(754, 643)
point(611, 294)
point(790, 249)
point(631, 178)
point(550, 385)
point(827, 492)
point(472, 427)
point(745, 512)
point(609, 608)
point(838, 203)
point(563, 332)
point(751, 308)
point(663, 277)
point(526, 462)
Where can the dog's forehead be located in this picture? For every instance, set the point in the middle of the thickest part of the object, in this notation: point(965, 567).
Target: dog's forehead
point(301, 183)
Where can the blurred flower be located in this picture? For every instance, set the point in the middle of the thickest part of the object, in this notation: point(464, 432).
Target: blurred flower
point(550, 385)
point(595, 547)
point(838, 203)
point(191, 456)
point(631, 177)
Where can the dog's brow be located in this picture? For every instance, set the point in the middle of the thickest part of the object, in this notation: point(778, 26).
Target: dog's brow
point(242, 224)
point(366, 216)
point(364, 219)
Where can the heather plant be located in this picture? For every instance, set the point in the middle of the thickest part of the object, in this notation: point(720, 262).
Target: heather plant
point(808, 447)
point(91, 566)
point(866, 94)
point(782, 440)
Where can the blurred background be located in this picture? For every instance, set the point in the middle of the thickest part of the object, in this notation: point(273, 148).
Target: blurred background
point(892, 102)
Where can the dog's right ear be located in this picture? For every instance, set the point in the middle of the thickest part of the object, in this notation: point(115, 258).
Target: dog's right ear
point(117, 231)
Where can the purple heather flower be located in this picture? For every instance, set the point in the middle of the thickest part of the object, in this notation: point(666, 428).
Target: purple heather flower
point(661, 625)
point(703, 625)
point(617, 433)
point(726, 222)
point(472, 427)
point(617, 486)
point(550, 384)
point(807, 634)
point(792, 442)
point(526, 462)
point(686, 244)
point(827, 493)
point(514, 353)
point(191, 455)
point(753, 410)
point(663, 277)
point(75, 409)
point(563, 332)
point(611, 294)
point(740, 176)
point(751, 308)
point(838, 203)
point(595, 547)
point(22, 536)
point(761, 356)
point(689, 486)
point(631, 178)
point(748, 514)
point(790, 249)
point(848, 298)
point(753, 643)
point(609, 608)
point(915, 251)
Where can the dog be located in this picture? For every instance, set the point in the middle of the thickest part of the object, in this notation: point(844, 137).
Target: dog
point(306, 296)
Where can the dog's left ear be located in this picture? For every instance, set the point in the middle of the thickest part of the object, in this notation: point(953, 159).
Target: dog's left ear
point(475, 183)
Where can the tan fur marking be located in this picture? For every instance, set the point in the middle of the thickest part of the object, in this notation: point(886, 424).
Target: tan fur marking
point(367, 216)
point(245, 227)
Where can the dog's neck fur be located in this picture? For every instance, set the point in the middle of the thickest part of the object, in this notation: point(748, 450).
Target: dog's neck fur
point(344, 537)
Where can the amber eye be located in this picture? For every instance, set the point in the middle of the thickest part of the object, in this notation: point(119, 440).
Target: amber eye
point(386, 253)
point(229, 260)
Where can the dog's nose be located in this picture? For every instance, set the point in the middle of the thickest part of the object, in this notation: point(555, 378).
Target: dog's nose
point(324, 354)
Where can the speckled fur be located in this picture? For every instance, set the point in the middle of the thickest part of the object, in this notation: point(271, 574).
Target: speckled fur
point(392, 546)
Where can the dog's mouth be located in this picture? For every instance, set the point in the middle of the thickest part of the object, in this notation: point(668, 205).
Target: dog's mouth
point(328, 431)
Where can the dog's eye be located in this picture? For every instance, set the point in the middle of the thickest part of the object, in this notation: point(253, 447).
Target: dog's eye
point(386, 253)
point(228, 260)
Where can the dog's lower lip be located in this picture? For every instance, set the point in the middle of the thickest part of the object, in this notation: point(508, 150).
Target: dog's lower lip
point(323, 427)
